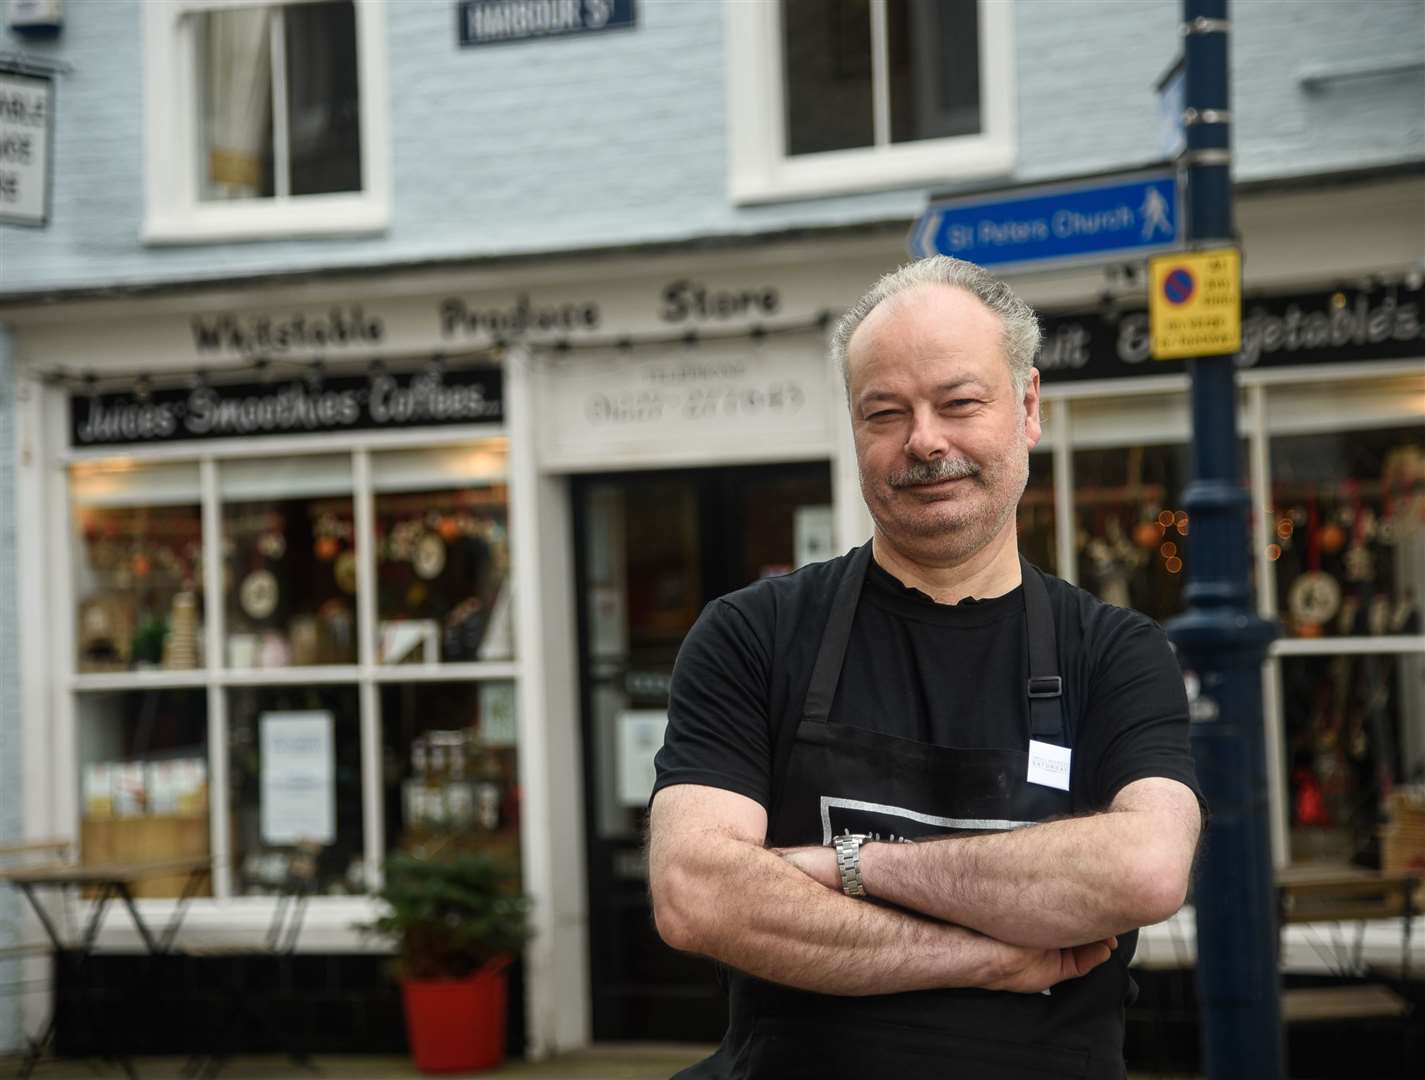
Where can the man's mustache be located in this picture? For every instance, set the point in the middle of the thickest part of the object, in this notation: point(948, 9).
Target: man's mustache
point(933, 472)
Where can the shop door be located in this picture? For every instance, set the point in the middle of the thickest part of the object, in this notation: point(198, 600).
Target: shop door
point(653, 548)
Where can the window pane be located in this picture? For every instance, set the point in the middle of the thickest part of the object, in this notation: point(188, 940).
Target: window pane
point(235, 61)
point(295, 771)
point(324, 127)
point(450, 766)
point(826, 50)
point(1354, 729)
point(1132, 533)
point(138, 567)
point(1036, 514)
point(934, 68)
point(289, 563)
point(143, 780)
point(443, 556)
point(1348, 531)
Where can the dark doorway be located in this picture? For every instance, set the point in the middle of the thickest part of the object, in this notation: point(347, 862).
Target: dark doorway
point(652, 549)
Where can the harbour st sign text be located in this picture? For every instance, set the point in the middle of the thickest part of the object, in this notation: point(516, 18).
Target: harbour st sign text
point(1123, 217)
point(490, 22)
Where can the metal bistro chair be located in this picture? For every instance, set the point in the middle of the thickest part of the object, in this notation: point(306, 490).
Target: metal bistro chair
point(14, 948)
point(279, 945)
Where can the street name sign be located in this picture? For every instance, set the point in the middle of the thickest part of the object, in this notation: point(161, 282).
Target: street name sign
point(1195, 304)
point(1102, 219)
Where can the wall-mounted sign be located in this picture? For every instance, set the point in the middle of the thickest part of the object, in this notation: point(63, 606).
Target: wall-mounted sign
point(262, 335)
point(1341, 327)
point(26, 122)
point(492, 22)
point(715, 400)
point(297, 407)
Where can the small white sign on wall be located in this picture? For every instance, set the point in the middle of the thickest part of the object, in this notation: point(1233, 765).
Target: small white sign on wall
point(298, 777)
point(26, 103)
point(640, 735)
point(717, 401)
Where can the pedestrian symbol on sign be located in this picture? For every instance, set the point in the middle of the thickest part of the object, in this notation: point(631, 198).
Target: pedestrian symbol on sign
point(1178, 286)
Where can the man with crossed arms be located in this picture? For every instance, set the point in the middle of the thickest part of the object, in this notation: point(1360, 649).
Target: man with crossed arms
point(918, 799)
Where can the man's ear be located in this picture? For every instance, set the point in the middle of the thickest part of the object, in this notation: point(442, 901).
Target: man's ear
point(1033, 421)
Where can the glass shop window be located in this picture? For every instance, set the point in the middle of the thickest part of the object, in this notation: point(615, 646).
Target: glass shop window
point(295, 780)
point(443, 555)
point(450, 766)
point(143, 782)
point(1036, 514)
point(281, 109)
point(289, 562)
point(1130, 530)
point(1348, 531)
point(138, 567)
point(1354, 741)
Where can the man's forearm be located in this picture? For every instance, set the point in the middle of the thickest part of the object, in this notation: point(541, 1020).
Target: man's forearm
point(741, 904)
point(1056, 884)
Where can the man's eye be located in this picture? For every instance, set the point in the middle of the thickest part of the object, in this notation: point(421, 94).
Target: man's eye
point(962, 403)
point(883, 414)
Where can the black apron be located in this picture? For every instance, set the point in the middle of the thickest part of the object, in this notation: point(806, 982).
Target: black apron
point(830, 779)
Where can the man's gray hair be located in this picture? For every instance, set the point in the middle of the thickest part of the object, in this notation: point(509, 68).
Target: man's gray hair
point(1020, 326)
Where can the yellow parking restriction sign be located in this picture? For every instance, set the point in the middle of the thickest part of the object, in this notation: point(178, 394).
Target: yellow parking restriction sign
point(1195, 303)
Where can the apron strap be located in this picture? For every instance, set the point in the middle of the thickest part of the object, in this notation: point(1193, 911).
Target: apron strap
point(1046, 688)
point(826, 672)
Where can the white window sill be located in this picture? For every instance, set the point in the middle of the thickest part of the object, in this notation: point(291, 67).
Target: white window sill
point(268, 219)
point(841, 172)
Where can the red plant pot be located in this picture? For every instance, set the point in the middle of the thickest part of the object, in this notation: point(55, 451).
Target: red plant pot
point(457, 1025)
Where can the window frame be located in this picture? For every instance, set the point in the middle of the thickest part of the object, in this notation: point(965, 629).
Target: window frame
point(760, 169)
point(173, 211)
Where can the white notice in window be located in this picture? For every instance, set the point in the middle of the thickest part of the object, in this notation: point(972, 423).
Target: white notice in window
point(640, 734)
point(298, 796)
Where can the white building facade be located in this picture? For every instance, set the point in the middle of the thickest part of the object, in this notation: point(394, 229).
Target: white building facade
point(408, 375)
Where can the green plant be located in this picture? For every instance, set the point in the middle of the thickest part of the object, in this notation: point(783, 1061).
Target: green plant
point(450, 915)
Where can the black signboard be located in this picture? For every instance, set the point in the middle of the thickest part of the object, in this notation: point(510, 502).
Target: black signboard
point(495, 22)
point(336, 403)
point(1302, 329)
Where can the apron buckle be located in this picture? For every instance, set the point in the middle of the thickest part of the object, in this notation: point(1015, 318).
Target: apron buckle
point(1046, 686)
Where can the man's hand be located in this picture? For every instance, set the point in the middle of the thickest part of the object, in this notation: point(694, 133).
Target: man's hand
point(1031, 971)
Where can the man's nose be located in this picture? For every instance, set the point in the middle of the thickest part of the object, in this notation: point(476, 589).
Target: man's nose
point(926, 440)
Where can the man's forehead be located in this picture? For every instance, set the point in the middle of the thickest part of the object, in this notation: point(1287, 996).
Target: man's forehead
point(930, 305)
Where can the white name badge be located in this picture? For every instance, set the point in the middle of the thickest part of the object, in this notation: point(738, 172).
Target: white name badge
point(1049, 764)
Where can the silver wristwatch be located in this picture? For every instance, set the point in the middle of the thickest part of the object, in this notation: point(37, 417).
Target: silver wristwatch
point(848, 861)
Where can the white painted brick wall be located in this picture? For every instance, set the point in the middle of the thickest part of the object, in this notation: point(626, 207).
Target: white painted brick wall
point(619, 137)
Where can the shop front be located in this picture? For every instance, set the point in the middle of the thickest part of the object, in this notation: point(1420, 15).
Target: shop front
point(389, 562)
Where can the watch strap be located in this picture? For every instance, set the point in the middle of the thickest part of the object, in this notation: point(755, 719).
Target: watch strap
point(848, 861)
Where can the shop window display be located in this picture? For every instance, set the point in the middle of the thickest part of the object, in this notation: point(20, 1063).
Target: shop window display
point(138, 556)
point(289, 564)
point(1352, 739)
point(143, 780)
point(294, 771)
point(1131, 531)
point(1036, 514)
point(449, 766)
point(443, 584)
point(1348, 532)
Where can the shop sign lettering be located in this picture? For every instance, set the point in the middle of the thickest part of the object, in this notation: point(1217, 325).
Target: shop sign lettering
point(341, 327)
point(685, 300)
point(339, 403)
point(1341, 327)
point(460, 320)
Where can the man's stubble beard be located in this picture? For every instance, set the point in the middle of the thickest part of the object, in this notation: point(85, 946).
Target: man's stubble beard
point(941, 539)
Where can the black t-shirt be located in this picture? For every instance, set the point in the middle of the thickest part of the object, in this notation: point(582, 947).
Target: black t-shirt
point(953, 675)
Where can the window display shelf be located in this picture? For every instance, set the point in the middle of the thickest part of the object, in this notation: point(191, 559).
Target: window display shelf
point(1354, 646)
point(475, 671)
point(140, 680)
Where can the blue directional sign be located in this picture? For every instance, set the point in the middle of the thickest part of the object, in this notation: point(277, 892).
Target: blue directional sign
point(1105, 218)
